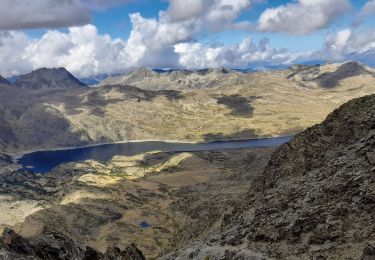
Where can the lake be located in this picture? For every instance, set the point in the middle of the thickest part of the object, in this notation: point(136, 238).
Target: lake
point(45, 161)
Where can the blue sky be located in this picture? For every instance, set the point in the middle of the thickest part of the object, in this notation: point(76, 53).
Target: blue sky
point(115, 22)
point(182, 33)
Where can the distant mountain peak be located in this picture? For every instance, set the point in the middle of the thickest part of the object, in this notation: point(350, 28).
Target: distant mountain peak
point(345, 70)
point(48, 78)
point(328, 75)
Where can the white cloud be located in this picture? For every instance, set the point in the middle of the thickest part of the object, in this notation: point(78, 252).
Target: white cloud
point(212, 15)
point(349, 45)
point(302, 17)
point(246, 53)
point(81, 50)
point(84, 52)
point(12, 46)
point(169, 42)
point(151, 42)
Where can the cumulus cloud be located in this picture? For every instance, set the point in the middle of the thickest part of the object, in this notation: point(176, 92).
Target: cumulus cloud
point(166, 41)
point(152, 41)
point(349, 44)
point(85, 52)
point(302, 17)
point(241, 55)
point(214, 15)
point(81, 50)
point(12, 46)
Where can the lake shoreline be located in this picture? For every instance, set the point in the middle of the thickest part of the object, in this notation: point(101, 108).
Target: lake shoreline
point(44, 160)
point(18, 155)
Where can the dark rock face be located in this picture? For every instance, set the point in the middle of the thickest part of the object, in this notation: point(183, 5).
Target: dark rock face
point(4, 81)
point(314, 200)
point(58, 247)
point(5, 160)
point(58, 78)
point(316, 197)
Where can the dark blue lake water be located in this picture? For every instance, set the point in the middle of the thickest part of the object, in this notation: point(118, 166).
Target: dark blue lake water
point(44, 161)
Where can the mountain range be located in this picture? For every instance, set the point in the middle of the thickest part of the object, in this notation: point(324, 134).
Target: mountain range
point(50, 108)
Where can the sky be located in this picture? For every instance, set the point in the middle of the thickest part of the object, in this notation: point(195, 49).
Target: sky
point(92, 37)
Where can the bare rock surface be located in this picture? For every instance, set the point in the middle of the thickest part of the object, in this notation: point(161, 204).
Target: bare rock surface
point(316, 197)
point(54, 246)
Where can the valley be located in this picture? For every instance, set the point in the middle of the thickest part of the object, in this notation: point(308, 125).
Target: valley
point(293, 201)
point(187, 130)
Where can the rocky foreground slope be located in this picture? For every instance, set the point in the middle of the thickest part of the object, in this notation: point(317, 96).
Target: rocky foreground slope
point(158, 201)
point(314, 200)
point(43, 110)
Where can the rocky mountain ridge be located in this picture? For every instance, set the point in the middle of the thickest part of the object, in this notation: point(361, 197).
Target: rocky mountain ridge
point(326, 76)
point(174, 79)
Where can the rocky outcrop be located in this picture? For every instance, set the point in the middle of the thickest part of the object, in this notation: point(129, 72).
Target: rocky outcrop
point(316, 197)
point(5, 160)
point(45, 78)
point(7, 163)
point(4, 81)
point(58, 247)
